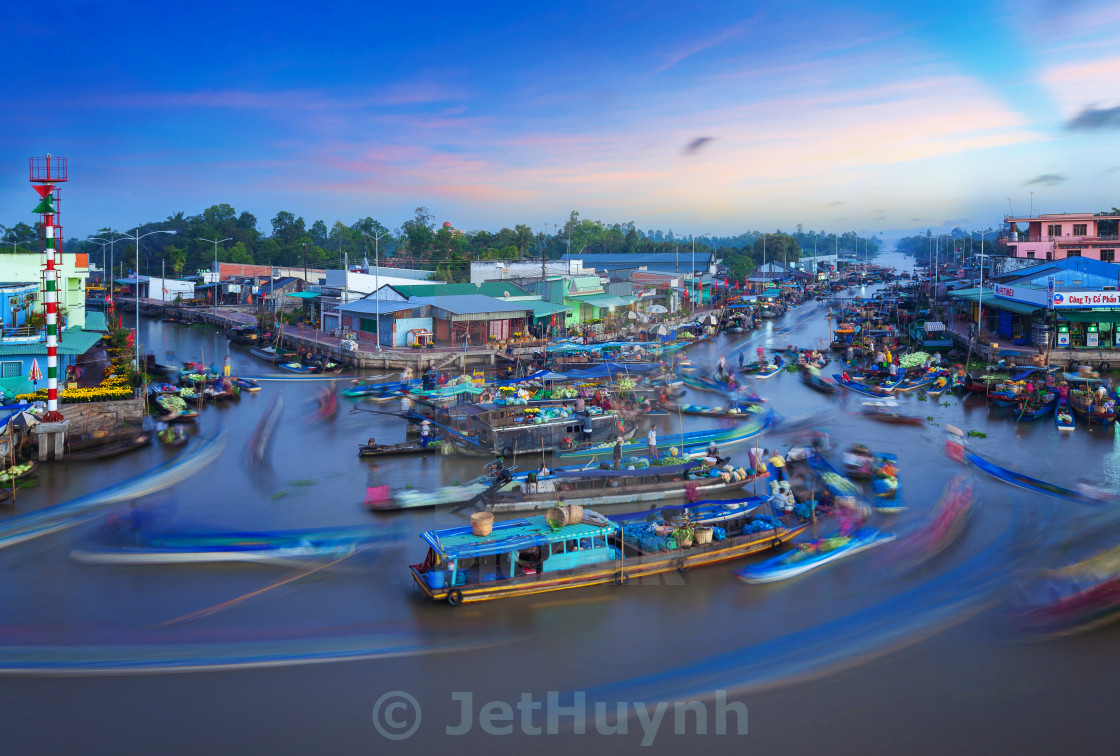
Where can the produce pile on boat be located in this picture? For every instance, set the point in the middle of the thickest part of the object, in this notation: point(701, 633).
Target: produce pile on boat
point(914, 359)
point(15, 471)
point(172, 403)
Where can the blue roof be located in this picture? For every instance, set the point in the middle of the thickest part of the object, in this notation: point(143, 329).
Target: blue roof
point(374, 306)
point(471, 304)
point(507, 536)
point(1086, 272)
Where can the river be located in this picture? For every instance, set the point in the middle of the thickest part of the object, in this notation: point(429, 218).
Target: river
point(859, 657)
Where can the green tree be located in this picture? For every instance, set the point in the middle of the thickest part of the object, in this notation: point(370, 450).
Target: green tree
point(176, 258)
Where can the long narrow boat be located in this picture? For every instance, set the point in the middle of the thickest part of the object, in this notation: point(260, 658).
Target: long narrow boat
point(111, 448)
point(386, 450)
point(595, 488)
point(1028, 413)
point(730, 413)
point(913, 384)
point(1085, 405)
point(887, 411)
point(1063, 417)
point(809, 556)
point(950, 515)
point(296, 367)
point(530, 555)
point(859, 388)
point(1075, 597)
point(770, 370)
point(818, 382)
point(1032, 484)
point(277, 547)
point(272, 354)
point(687, 443)
point(887, 489)
point(246, 384)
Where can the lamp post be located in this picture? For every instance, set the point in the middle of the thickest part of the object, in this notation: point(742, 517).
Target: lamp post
point(376, 284)
point(217, 277)
point(136, 237)
point(15, 246)
point(109, 267)
point(980, 301)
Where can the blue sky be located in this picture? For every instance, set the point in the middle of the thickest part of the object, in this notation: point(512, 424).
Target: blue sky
point(874, 116)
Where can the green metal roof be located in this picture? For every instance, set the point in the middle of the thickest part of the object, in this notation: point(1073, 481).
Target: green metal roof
point(990, 300)
point(605, 300)
point(71, 341)
point(543, 309)
point(1090, 316)
point(95, 321)
point(496, 289)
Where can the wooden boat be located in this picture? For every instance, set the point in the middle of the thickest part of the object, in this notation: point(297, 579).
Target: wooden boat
point(156, 368)
point(529, 555)
point(886, 411)
point(172, 436)
point(913, 384)
point(1030, 410)
point(1075, 597)
point(590, 488)
point(705, 383)
point(818, 382)
point(770, 370)
point(686, 443)
point(276, 547)
point(272, 354)
point(1063, 417)
point(374, 391)
point(246, 384)
point(866, 390)
point(950, 515)
point(386, 450)
point(730, 413)
point(296, 367)
point(1034, 484)
point(18, 472)
point(811, 555)
point(885, 486)
point(92, 449)
point(243, 335)
point(1084, 403)
point(446, 495)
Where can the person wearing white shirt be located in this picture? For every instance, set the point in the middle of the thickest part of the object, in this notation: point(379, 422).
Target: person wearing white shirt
point(651, 442)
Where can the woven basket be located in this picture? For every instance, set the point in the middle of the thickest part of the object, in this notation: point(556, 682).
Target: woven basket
point(482, 523)
point(702, 535)
point(556, 517)
point(575, 514)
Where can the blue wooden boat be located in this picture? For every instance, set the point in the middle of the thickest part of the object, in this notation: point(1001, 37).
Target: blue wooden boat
point(375, 390)
point(860, 388)
point(809, 556)
point(539, 554)
point(818, 382)
point(887, 489)
point(1025, 415)
point(913, 384)
point(1032, 484)
point(1063, 417)
point(295, 367)
point(771, 370)
point(246, 384)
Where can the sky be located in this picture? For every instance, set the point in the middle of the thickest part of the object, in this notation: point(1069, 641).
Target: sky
point(700, 117)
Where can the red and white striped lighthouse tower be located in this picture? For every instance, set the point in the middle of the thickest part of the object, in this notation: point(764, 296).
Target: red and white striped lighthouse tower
point(46, 173)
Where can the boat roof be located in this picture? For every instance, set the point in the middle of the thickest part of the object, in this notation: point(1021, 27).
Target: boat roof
point(507, 536)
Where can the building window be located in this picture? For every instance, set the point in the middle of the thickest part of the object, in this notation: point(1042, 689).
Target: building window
point(1054, 229)
point(369, 325)
point(11, 369)
point(1080, 229)
point(1073, 253)
point(1030, 253)
point(1108, 255)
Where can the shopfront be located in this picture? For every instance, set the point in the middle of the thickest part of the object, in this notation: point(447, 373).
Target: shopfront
point(1092, 329)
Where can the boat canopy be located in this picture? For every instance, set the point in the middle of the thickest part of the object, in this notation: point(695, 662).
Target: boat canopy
point(508, 536)
point(640, 472)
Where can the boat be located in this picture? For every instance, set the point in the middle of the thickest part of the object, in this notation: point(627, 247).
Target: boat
point(537, 554)
point(811, 555)
point(885, 485)
point(887, 411)
point(859, 462)
point(692, 442)
point(374, 391)
point(1031, 409)
point(1085, 405)
point(446, 495)
point(817, 382)
point(770, 370)
point(1063, 417)
point(155, 368)
point(705, 383)
point(18, 472)
point(906, 385)
point(272, 354)
point(1095, 498)
point(503, 430)
point(729, 413)
point(276, 547)
point(867, 390)
point(87, 450)
point(296, 367)
point(1075, 597)
point(408, 447)
point(174, 435)
point(590, 488)
point(246, 334)
point(246, 384)
point(950, 515)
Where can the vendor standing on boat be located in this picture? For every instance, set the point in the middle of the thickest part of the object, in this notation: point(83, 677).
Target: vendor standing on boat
point(651, 441)
point(617, 454)
point(226, 367)
point(425, 432)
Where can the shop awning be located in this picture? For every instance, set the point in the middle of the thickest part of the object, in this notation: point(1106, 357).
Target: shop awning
point(542, 309)
point(304, 294)
point(1090, 316)
point(606, 300)
point(990, 300)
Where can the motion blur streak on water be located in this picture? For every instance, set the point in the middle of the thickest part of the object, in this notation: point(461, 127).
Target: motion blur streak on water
point(842, 643)
point(27, 660)
point(79, 510)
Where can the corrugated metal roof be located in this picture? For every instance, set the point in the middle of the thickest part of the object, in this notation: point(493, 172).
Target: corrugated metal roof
point(541, 308)
point(606, 300)
point(471, 304)
point(494, 289)
point(95, 321)
point(368, 306)
point(71, 341)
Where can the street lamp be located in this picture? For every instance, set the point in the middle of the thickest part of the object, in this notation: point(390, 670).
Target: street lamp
point(136, 290)
point(980, 301)
point(217, 277)
point(15, 245)
point(109, 269)
point(376, 284)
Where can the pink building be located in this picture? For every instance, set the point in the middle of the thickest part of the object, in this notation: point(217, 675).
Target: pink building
point(1062, 235)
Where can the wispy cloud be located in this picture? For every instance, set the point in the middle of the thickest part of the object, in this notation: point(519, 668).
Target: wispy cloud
point(1046, 179)
point(687, 52)
point(696, 144)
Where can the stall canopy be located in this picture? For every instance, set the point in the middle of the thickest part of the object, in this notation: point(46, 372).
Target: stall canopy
point(1091, 316)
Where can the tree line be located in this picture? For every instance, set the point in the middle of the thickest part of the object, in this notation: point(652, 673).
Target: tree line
point(418, 242)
